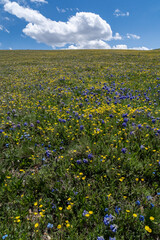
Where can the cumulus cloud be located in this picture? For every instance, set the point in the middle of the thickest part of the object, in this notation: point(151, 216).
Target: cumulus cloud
point(132, 36)
point(119, 13)
point(83, 27)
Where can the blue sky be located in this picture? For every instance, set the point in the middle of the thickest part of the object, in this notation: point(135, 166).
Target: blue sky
point(79, 24)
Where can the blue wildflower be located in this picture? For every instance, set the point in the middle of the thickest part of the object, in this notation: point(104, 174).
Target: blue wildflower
point(113, 227)
point(78, 161)
point(138, 203)
point(124, 124)
point(123, 150)
point(90, 156)
point(85, 160)
point(141, 218)
point(49, 225)
point(110, 238)
point(81, 127)
point(4, 237)
point(84, 213)
point(108, 218)
point(100, 238)
point(117, 209)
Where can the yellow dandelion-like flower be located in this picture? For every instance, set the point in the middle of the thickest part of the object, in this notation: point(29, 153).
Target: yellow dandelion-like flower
point(36, 225)
point(148, 229)
point(151, 218)
point(134, 215)
point(59, 226)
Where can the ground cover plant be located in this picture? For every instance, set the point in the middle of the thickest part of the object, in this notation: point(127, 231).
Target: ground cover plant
point(79, 145)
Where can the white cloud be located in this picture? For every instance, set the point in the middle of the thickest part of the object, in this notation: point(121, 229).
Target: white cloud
point(141, 48)
point(132, 36)
point(39, 1)
point(94, 44)
point(117, 37)
point(125, 47)
point(63, 10)
point(119, 13)
point(83, 27)
point(121, 46)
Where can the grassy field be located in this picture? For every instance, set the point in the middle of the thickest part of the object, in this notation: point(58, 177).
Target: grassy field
point(80, 145)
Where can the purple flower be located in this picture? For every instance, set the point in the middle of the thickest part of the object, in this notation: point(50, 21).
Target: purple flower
point(139, 126)
point(32, 125)
point(78, 161)
point(124, 124)
point(38, 121)
point(125, 119)
point(124, 150)
point(113, 227)
point(25, 124)
point(108, 218)
point(153, 120)
point(100, 238)
point(81, 127)
point(85, 160)
point(90, 156)
point(110, 238)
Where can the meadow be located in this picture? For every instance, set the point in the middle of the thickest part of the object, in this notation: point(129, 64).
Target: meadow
point(80, 145)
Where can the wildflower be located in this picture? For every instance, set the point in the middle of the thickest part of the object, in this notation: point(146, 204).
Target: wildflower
point(60, 208)
point(134, 215)
point(100, 238)
point(151, 218)
point(141, 218)
point(113, 227)
point(138, 203)
point(36, 225)
point(78, 161)
point(49, 225)
point(84, 213)
point(4, 237)
point(124, 124)
point(81, 127)
point(148, 229)
point(108, 219)
point(85, 160)
point(152, 205)
point(110, 238)
point(124, 150)
point(117, 209)
point(90, 156)
point(59, 226)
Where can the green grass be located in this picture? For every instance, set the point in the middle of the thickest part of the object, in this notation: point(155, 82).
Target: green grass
point(79, 131)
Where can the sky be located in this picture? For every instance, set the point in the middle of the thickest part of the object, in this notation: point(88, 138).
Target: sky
point(79, 24)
